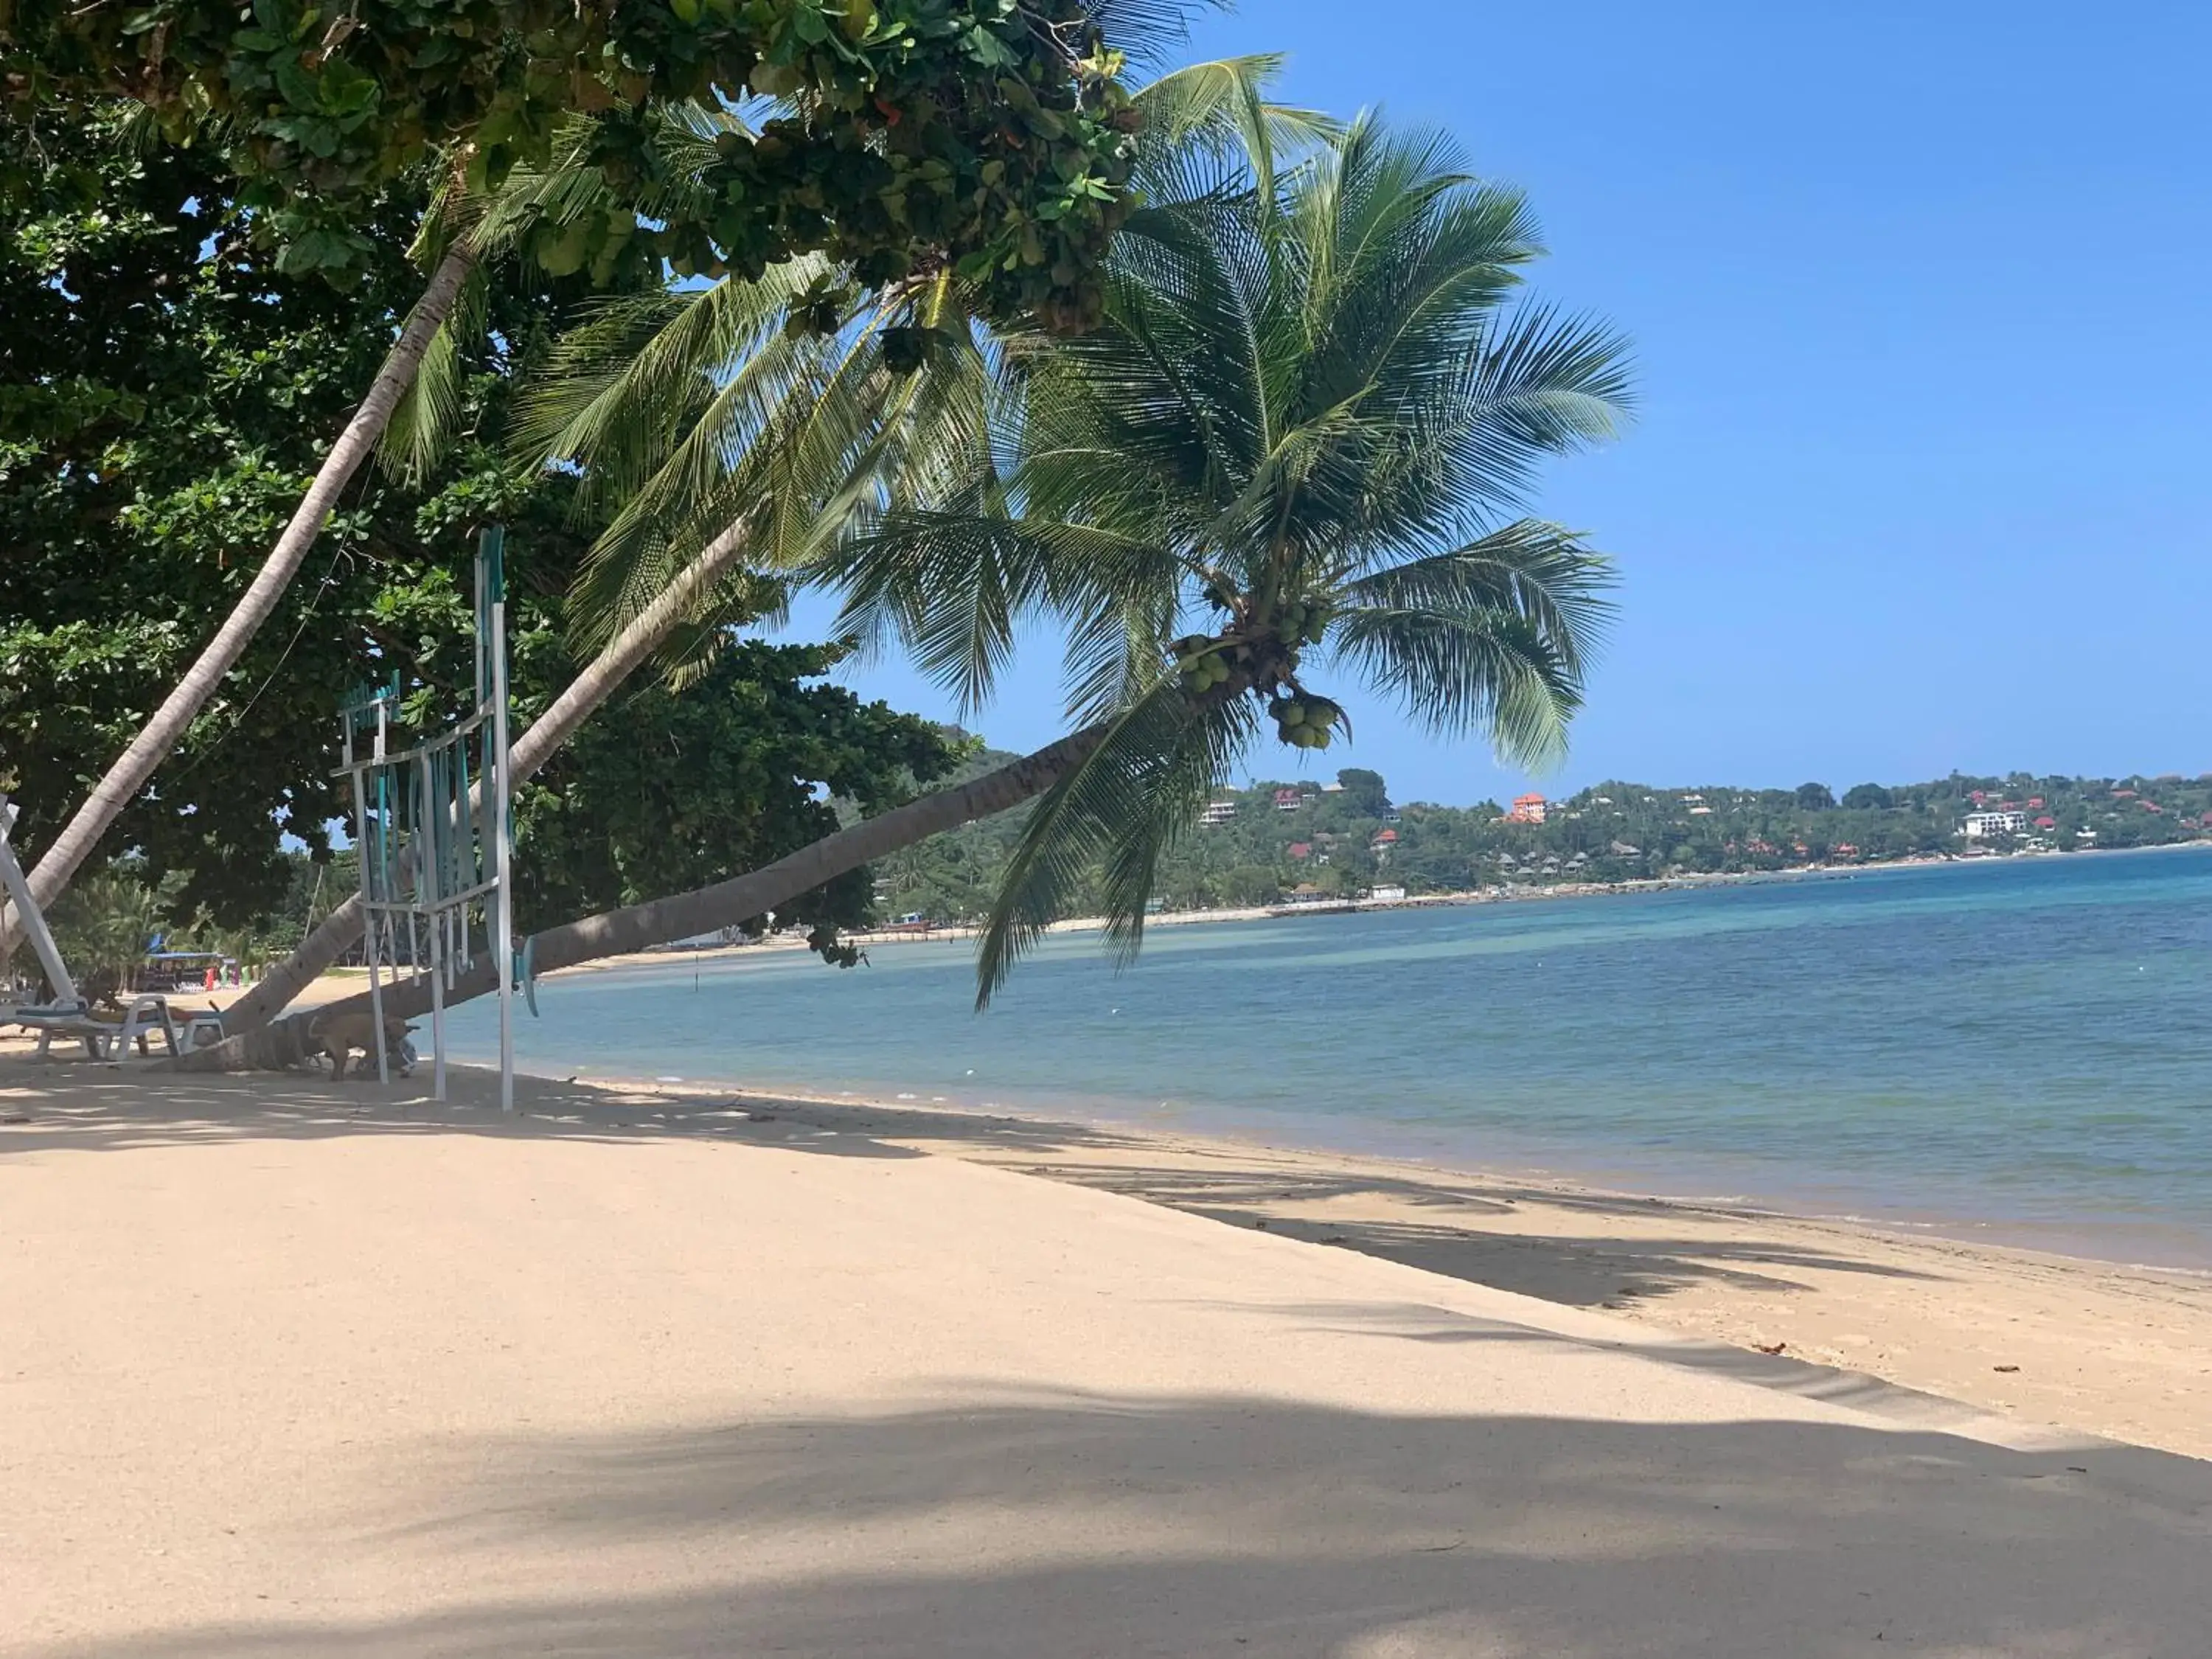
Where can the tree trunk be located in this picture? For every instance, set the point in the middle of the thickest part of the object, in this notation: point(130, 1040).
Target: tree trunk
point(160, 734)
point(600, 680)
point(725, 904)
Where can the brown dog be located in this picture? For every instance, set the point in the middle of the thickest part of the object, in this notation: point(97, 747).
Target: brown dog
point(339, 1035)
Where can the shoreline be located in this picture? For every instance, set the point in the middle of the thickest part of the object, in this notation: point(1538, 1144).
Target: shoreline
point(1560, 1173)
point(2114, 1348)
point(1511, 893)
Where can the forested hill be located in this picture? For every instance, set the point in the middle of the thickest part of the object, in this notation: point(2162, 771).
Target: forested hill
point(1344, 837)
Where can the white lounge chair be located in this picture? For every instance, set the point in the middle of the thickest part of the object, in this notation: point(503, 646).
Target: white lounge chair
point(70, 1016)
point(102, 1039)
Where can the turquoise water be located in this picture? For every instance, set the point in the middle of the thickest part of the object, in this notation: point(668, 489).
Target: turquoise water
point(2021, 1046)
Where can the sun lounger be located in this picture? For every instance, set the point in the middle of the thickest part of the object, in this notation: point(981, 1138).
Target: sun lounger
point(103, 1039)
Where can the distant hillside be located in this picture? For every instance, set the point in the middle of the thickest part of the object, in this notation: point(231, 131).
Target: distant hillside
point(1277, 840)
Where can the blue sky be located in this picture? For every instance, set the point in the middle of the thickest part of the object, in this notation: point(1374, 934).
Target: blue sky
point(1922, 300)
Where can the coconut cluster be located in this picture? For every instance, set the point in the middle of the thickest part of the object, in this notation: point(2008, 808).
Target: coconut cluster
point(1267, 662)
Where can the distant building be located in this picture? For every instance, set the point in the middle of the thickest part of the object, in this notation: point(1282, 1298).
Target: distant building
point(1332, 789)
point(1301, 850)
point(1388, 894)
point(1386, 838)
point(2046, 823)
point(1629, 849)
point(1218, 812)
point(1981, 825)
point(2035, 803)
point(1288, 800)
point(1527, 809)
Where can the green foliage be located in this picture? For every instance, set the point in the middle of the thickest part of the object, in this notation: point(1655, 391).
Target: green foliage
point(203, 387)
point(661, 792)
point(786, 405)
point(196, 385)
point(987, 133)
point(1328, 843)
point(102, 926)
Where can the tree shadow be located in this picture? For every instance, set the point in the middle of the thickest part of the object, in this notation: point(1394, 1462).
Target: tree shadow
point(90, 1109)
point(46, 1108)
point(1061, 1524)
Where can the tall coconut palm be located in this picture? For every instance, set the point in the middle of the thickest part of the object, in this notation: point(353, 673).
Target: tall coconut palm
point(1307, 425)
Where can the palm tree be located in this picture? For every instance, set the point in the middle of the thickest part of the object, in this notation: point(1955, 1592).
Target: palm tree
point(1307, 416)
point(706, 416)
point(1306, 423)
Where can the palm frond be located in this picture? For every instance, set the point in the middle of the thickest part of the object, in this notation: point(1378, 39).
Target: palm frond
point(1139, 788)
point(421, 430)
point(1212, 128)
point(1497, 635)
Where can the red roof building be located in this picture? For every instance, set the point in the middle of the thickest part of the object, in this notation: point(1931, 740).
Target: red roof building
point(1301, 849)
point(2046, 821)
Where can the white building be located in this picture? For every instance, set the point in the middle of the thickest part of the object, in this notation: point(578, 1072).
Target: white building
point(1980, 825)
point(1218, 812)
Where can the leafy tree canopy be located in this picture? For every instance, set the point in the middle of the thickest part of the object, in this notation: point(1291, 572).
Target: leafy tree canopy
point(164, 390)
point(987, 132)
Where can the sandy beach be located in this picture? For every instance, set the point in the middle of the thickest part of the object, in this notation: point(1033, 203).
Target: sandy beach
point(292, 1369)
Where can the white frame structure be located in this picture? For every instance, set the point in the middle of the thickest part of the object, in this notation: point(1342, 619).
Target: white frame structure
point(28, 914)
point(436, 848)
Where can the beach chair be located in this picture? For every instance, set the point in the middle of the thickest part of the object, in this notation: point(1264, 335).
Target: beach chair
point(103, 1039)
point(70, 1015)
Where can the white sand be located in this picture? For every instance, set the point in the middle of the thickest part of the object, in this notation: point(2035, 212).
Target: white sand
point(276, 1379)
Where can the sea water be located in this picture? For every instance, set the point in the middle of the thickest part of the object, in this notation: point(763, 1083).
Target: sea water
point(2017, 1047)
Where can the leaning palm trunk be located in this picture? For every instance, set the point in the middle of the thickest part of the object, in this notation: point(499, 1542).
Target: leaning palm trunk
point(599, 681)
point(725, 904)
point(160, 734)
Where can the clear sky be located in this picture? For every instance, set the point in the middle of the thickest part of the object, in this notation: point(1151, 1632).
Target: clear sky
point(1921, 298)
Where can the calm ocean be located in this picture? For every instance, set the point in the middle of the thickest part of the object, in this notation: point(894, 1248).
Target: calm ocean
point(2020, 1049)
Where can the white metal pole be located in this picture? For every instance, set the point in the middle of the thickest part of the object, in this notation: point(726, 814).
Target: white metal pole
point(27, 912)
point(428, 891)
point(502, 852)
point(372, 917)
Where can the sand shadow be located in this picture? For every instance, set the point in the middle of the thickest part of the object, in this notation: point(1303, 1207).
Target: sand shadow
point(1086, 1526)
